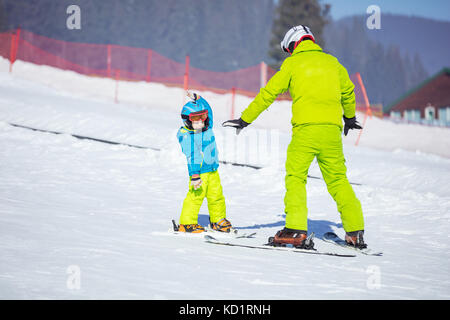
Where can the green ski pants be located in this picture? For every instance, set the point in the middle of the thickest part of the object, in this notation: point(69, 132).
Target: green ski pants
point(325, 143)
point(211, 189)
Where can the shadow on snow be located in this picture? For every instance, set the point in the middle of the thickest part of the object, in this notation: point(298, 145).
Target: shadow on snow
point(319, 227)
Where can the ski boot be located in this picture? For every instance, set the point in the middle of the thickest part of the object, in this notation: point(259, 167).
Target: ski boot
point(355, 239)
point(291, 237)
point(189, 228)
point(222, 225)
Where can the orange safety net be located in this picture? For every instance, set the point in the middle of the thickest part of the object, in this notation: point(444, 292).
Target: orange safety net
point(140, 64)
point(136, 64)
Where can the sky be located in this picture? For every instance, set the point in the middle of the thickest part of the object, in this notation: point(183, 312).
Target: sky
point(434, 9)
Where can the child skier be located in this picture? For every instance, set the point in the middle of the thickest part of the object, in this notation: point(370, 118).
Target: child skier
point(198, 144)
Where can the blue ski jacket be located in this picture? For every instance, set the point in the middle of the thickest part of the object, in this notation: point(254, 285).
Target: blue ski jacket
point(200, 147)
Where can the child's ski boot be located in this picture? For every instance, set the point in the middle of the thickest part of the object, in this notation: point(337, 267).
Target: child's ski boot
point(188, 228)
point(222, 225)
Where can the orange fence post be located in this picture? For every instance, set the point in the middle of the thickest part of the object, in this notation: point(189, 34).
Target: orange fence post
point(116, 97)
point(108, 59)
point(186, 78)
point(149, 64)
point(11, 51)
point(233, 96)
point(14, 47)
point(366, 101)
point(186, 74)
point(263, 74)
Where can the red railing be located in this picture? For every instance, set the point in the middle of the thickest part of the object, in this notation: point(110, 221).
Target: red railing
point(140, 64)
point(135, 64)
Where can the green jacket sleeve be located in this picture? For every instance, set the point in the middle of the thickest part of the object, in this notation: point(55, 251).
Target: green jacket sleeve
point(278, 84)
point(347, 93)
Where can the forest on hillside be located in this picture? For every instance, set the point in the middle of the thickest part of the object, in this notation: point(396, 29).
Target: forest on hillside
point(219, 35)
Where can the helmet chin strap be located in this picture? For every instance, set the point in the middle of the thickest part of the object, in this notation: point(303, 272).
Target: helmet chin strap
point(295, 46)
point(305, 37)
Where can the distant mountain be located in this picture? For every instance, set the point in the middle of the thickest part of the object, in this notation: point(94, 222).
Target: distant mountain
point(429, 39)
point(387, 65)
point(218, 35)
point(233, 34)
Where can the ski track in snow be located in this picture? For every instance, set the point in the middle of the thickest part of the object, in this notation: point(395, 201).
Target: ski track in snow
point(68, 202)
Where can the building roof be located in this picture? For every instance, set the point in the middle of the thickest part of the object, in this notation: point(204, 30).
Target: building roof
point(434, 91)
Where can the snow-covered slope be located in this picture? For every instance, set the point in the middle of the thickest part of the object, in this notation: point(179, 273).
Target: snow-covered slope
point(103, 210)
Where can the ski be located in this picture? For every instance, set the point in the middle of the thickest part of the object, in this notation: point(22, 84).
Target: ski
point(234, 233)
point(333, 238)
point(212, 240)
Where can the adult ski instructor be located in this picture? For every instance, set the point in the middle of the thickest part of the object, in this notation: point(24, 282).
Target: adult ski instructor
point(322, 94)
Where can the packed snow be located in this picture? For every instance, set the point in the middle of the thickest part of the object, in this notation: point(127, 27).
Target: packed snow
point(80, 219)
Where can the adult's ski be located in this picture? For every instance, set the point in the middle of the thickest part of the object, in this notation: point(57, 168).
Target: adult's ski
point(212, 240)
point(333, 238)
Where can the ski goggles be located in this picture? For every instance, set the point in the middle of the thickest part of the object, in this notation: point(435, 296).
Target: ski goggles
point(200, 115)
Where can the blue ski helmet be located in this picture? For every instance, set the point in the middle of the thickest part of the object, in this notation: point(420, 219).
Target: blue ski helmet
point(194, 109)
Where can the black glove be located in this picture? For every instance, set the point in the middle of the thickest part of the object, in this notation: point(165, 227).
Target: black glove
point(350, 123)
point(239, 124)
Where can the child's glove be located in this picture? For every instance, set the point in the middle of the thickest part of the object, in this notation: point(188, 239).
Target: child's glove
point(196, 182)
point(192, 95)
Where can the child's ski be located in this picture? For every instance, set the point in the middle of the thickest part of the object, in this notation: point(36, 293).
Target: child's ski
point(234, 233)
point(332, 237)
point(210, 239)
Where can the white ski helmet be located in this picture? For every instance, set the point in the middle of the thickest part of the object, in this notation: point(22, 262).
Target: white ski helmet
point(296, 34)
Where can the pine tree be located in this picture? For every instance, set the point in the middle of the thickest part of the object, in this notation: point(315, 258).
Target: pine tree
point(290, 13)
point(419, 73)
point(387, 74)
point(3, 17)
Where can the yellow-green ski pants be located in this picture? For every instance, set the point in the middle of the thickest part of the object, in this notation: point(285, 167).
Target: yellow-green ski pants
point(211, 188)
point(325, 143)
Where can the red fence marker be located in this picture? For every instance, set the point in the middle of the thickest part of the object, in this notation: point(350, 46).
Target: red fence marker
point(233, 97)
point(13, 48)
point(263, 74)
point(366, 102)
point(108, 60)
point(186, 74)
point(116, 96)
point(149, 64)
point(11, 52)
